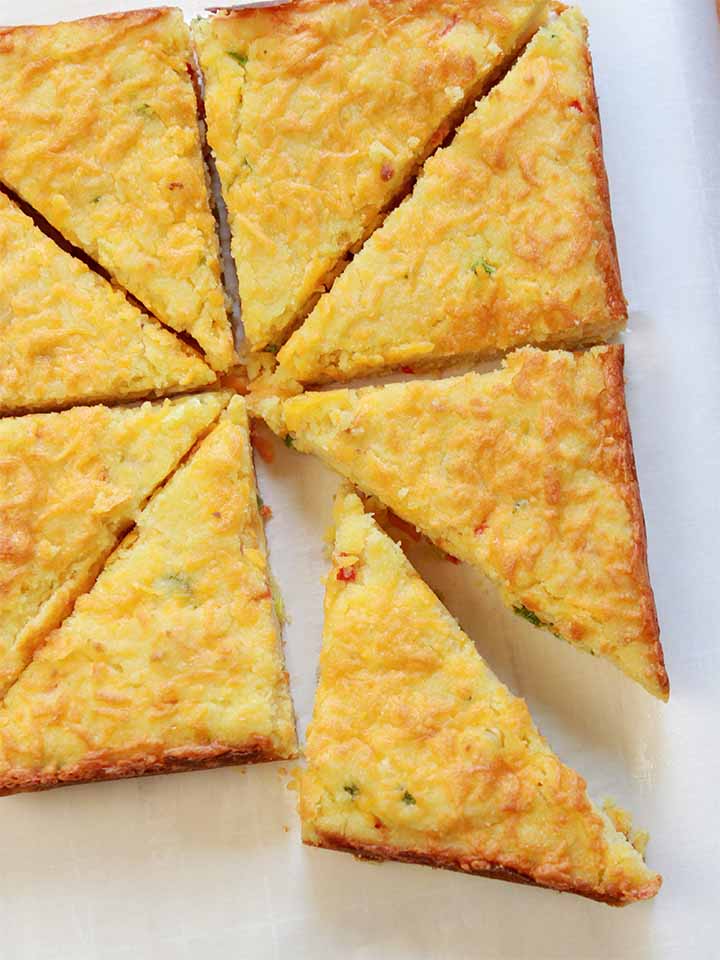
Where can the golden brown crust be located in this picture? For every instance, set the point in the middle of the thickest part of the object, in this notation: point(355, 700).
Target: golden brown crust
point(516, 471)
point(173, 660)
point(131, 17)
point(607, 257)
point(287, 12)
point(506, 239)
point(121, 149)
point(416, 751)
point(70, 486)
point(108, 767)
point(69, 337)
point(337, 84)
point(447, 861)
point(624, 472)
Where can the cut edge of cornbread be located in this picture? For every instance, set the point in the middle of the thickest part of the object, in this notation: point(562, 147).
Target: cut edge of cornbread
point(182, 760)
point(472, 867)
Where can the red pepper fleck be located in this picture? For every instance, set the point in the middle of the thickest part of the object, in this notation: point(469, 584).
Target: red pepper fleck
point(451, 23)
point(481, 529)
point(452, 559)
point(265, 512)
point(406, 370)
point(386, 172)
point(378, 824)
point(576, 105)
point(175, 185)
point(346, 574)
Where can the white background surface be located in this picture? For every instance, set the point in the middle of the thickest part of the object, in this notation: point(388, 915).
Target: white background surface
point(209, 864)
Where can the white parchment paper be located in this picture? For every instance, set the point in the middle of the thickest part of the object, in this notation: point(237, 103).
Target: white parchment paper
point(209, 865)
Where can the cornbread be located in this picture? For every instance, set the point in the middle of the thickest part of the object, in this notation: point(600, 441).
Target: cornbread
point(526, 472)
point(417, 752)
point(173, 660)
point(319, 113)
point(99, 132)
point(506, 240)
point(68, 337)
point(71, 485)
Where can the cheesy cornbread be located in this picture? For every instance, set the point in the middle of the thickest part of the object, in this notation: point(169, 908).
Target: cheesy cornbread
point(173, 659)
point(68, 337)
point(319, 113)
point(417, 752)
point(71, 485)
point(506, 239)
point(526, 472)
point(99, 132)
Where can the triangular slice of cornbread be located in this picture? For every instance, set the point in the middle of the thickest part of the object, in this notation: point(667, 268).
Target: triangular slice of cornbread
point(68, 337)
point(173, 659)
point(71, 485)
point(99, 132)
point(417, 752)
point(319, 113)
point(506, 240)
point(526, 472)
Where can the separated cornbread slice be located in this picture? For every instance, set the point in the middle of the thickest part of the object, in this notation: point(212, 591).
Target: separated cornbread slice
point(506, 240)
point(71, 484)
point(319, 113)
point(173, 660)
point(68, 337)
point(417, 752)
point(526, 472)
point(99, 132)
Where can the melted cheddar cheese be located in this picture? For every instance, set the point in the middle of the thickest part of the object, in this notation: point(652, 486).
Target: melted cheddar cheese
point(416, 751)
point(174, 651)
point(506, 239)
point(526, 472)
point(319, 113)
point(71, 485)
point(67, 336)
point(99, 132)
